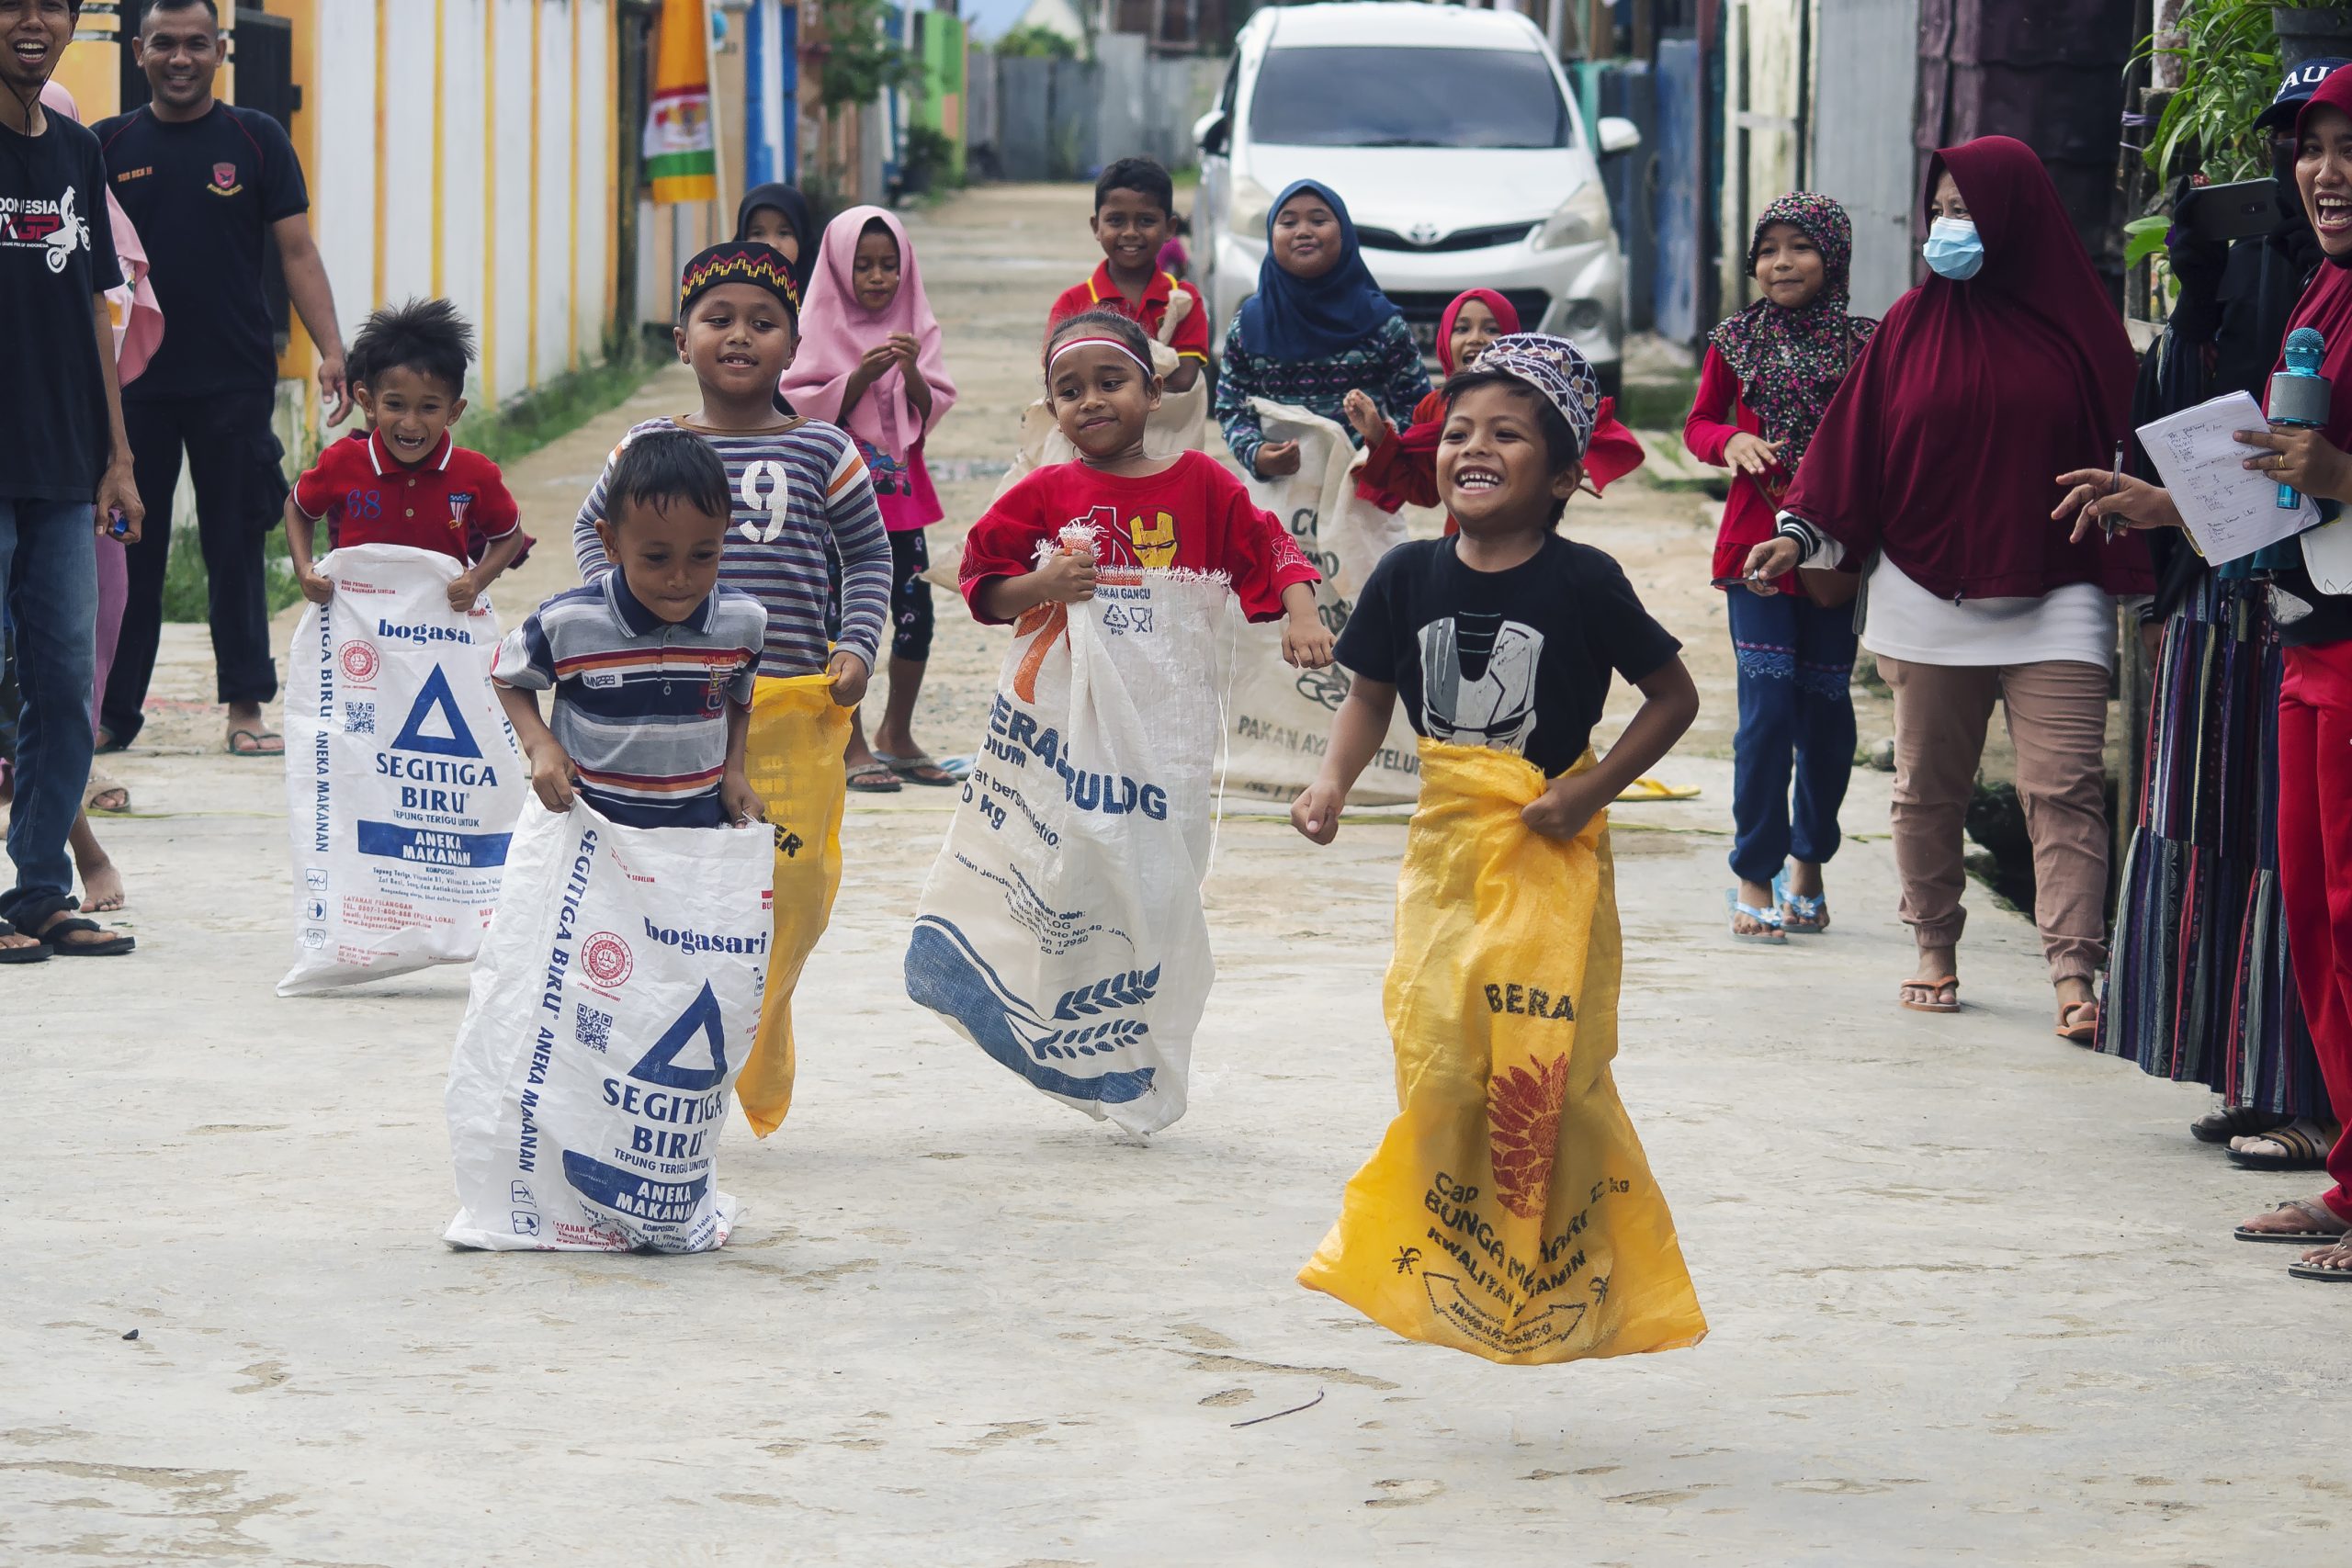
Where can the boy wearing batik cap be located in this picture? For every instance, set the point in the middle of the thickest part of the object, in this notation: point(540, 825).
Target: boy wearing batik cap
point(796, 488)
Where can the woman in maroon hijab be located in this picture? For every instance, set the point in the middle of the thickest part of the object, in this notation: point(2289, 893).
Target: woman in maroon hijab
point(2315, 698)
point(1931, 475)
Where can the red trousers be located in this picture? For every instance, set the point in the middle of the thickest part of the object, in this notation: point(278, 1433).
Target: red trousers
point(2315, 870)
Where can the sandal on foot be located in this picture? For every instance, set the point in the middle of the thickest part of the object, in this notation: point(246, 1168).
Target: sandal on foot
point(1801, 916)
point(1768, 919)
point(101, 787)
point(2301, 1145)
point(114, 946)
point(917, 769)
point(2333, 1273)
point(259, 747)
point(874, 778)
point(2323, 1224)
point(2082, 1031)
point(39, 952)
point(2234, 1122)
point(1935, 989)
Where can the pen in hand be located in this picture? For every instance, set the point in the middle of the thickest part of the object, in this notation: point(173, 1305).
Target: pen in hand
point(2109, 529)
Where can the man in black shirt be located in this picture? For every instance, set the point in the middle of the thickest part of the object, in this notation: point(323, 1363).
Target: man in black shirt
point(61, 448)
point(208, 184)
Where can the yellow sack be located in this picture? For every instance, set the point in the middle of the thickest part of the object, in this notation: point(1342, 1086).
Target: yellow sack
point(793, 760)
point(1509, 1211)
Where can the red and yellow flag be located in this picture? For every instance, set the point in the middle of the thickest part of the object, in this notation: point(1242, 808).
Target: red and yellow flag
point(680, 159)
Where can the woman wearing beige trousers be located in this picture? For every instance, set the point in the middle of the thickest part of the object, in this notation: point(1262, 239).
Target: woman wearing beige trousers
point(1934, 471)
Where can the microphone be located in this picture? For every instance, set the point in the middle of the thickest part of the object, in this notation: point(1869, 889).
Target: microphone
point(2299, 394)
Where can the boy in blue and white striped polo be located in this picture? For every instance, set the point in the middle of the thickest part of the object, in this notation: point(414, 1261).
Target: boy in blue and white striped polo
point(652, 666)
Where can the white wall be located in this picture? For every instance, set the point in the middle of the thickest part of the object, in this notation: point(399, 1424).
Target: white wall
point(466, 220)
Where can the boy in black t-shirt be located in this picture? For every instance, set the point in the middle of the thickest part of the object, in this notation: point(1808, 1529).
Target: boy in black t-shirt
point(64, 463)
point(1505, 635)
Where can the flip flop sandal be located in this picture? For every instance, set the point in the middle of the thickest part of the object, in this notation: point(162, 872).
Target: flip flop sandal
point(101, 785)
point(1770, 936)
point(114, 947)
point(2304, 1142)
point(1933, 987)
point(919, 770)
point(2323, 1228)
point(2333, 1273)
point(257, 737)
point(1801, 916)
point(874, 778)
point(1648, 788)
point(2234, 1122)
point(2084, 1031)
point(37, 953)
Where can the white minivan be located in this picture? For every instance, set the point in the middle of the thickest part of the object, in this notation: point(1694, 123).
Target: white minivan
point(1453, 137)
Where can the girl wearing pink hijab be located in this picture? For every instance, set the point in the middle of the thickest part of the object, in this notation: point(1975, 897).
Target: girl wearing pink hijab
point(869, 361)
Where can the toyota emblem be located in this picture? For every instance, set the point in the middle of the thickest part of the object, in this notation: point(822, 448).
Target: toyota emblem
point(1423, 234)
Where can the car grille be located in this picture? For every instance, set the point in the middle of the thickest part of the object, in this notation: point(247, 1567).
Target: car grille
point(1422, 310)
point(1482, 238)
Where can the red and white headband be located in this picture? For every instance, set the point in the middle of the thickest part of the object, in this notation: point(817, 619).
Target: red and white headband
point(1054, 357)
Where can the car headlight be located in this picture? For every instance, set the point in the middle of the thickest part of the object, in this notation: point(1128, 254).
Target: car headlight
point(1247, 208)
point(1581, 219)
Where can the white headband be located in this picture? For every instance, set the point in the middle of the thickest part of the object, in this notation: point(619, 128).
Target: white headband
point(1054, 357)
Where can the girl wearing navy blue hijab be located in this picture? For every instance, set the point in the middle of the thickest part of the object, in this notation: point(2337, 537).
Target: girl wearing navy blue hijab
point(1317, 329)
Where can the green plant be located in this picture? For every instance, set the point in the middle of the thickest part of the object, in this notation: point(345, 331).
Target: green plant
point(2229, 62)
point(929, 161)
point(856, 56)
point(1036, 42)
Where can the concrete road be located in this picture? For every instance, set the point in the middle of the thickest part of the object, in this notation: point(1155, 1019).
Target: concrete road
point(1973, 1293)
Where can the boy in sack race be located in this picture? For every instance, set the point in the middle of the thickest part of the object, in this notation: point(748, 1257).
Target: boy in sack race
point(801, 494)
point(618, 993)
point(1509, 1211)
point(1061, 929)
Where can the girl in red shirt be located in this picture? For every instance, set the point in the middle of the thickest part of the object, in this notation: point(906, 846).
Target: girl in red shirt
point(1769, 373)
point(1186, 511)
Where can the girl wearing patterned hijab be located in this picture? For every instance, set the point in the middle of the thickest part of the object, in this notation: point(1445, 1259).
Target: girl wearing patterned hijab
point(1769, 373)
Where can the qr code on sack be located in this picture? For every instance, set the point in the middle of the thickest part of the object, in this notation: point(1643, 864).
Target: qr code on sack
point(360, 718)
point(592, 1029)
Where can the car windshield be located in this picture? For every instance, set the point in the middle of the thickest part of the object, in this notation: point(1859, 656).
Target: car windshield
point(1409, 97)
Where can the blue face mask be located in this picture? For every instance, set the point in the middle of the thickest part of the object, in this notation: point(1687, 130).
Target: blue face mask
point(1953, 249)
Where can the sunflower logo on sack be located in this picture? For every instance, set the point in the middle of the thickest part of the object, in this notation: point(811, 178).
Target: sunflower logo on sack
point(1524, 1131)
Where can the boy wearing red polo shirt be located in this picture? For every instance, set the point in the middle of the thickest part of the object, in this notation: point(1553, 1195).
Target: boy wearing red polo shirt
point(408, 482)
point(1133, 201)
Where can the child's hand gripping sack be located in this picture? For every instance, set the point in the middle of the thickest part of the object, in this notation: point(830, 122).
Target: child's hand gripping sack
point(1509, 1211)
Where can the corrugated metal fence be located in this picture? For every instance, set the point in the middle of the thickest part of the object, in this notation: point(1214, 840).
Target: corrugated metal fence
point(1058, 119)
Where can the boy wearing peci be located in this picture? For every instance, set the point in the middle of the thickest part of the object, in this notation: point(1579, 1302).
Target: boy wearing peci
point(1135, 202)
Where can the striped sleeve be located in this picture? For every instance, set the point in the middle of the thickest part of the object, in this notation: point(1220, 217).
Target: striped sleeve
point(525, 661)
point(587, 549)
point(863, 547)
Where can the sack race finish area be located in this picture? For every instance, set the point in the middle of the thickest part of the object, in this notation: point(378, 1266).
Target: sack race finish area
point(1509, 1211)
point(792, 758)
point(1281, 718)
point(613, 1002)
point(1061, 927)
point(403, 781)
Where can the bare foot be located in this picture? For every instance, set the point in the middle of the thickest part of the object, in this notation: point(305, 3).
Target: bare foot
point(102, 888)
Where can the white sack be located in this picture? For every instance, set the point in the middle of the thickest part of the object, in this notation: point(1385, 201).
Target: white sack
point(1061, 927)
point(403, 781)
point(1281, 720)
point(615, 1001)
